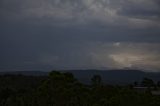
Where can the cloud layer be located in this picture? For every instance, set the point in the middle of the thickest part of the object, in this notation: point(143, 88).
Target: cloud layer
point(67, 34)
point(142, 13)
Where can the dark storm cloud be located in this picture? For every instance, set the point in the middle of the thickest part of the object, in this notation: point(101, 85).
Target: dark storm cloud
point(110, 12)
point(150, 10)
point(54, 34)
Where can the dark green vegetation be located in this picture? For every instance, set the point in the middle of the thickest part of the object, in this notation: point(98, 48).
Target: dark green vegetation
point(63, 89)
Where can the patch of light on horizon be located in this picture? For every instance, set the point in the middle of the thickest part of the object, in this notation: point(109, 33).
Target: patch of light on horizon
point(125, 60)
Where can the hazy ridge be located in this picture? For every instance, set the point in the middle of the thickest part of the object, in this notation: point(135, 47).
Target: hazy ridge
point(108, 76)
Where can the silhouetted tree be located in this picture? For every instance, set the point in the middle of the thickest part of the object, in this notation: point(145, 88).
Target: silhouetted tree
point(96, 80)
point(158, 83)
point(135, 83)
point(147, 82)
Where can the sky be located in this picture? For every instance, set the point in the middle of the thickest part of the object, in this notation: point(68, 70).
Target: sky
point(79, 34)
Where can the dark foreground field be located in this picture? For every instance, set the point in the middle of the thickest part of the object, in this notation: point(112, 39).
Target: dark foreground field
point(63, 89)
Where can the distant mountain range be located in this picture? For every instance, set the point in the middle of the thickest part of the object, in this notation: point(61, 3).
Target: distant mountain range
point(108, 76)
point(116, 76)
point(27, 73)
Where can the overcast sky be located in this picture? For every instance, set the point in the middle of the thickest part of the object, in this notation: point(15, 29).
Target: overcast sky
point(79, 34)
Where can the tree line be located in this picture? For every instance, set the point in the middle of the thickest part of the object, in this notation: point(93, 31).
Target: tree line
point(63, 89)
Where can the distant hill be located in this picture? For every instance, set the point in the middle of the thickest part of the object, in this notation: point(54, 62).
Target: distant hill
point(27, 73)
point(115, 76)
point(108, 76)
